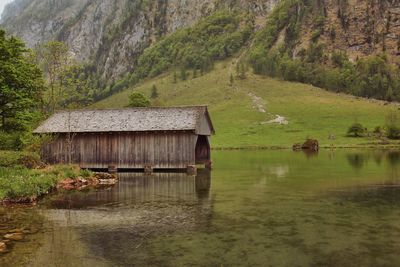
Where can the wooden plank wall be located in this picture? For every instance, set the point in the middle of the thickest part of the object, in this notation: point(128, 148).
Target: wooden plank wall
point(167, 150)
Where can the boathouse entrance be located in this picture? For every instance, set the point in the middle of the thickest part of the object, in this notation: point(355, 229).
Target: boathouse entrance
point(203, 150)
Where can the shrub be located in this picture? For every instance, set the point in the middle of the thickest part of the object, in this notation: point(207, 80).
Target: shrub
point(393, 125)
point(356, 130)
point(154, 91)
point(138, 100)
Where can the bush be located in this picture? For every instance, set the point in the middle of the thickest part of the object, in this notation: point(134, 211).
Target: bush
point(138, 100)
point(10, 141)
point(16, 158)
point(356, 130)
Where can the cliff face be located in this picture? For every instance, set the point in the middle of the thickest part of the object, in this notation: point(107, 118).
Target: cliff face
point(358, 27)
point(111, 34)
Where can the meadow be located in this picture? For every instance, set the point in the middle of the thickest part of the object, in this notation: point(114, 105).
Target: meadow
point(237, 109)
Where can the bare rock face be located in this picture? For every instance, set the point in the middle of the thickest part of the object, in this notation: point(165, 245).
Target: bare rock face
point(358, 27)
point(111, 35)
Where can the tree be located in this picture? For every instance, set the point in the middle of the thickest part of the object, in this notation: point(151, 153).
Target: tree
point(54, 58)
point(138, 100)
point(241, 71)
point(154, 92)
point(21, 85)
point(183, 74)
point(393, 125)
point(356, 130)
point(68, 81)
point(231, 80)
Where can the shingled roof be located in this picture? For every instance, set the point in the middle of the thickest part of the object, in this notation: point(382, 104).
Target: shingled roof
point(126, 120)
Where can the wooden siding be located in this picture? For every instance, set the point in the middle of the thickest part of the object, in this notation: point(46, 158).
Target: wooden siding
point(164, 150)
point(204, 126)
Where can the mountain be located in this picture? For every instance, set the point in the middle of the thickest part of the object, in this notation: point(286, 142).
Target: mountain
point(111, 34)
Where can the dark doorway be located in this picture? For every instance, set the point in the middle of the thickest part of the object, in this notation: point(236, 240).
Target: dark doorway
point(202, 150)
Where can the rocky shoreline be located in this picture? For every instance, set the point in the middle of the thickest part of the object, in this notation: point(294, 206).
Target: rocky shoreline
point(98, 180)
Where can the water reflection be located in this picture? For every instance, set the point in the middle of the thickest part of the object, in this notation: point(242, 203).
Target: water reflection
point(138, 209)
point(276, 208)
point(358, 160)
point(136, 188)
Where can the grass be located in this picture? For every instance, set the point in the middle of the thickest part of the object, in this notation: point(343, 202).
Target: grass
point(18, 183)
point(311, 112)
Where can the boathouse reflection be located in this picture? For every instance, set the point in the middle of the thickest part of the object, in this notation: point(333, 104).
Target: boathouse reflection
point(136, 188)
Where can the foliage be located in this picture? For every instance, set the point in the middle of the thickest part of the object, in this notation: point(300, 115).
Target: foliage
point(372, 77)
point(356, 130)
point(138, 100)
point(217, 37)
point(21, 86)
point(393, 125)
point(68, 82)
point(241, 70)
point(154, 92)
point(21, 182)
point(16, 158)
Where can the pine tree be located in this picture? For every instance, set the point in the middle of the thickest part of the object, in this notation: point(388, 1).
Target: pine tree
point(175, 78)
point(231, 80)
point(183, 74)
point(154, 92)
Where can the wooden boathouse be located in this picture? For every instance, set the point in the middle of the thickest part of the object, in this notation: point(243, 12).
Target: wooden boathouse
point(146, 139)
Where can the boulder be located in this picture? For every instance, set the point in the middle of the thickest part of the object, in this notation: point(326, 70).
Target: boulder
point(311, 144)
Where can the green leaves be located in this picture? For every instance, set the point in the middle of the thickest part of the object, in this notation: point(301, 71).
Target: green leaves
point(21, 85)
point(216, 37)
point(137, 100)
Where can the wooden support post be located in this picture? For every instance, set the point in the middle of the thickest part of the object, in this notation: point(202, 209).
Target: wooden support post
point(191, 170)
point(148, 169)
point(208, 165)
point(112, 169)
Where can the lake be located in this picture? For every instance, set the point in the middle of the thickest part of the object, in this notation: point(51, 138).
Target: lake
point(256, 208)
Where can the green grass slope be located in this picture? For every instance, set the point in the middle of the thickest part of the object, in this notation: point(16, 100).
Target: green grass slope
point(239, 122)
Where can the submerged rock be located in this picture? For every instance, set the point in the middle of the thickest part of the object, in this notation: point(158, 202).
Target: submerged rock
point(105, 176)
point(3, 247)
point(14, 236)
point(108, 181)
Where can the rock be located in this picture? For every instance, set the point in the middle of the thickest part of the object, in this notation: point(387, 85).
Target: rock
point(311, 144)
point(14, 236)
point(3, 247)
point(297, 147)
point(67, 181)
point(107, 181)
point(16, 230)
point(104, 176)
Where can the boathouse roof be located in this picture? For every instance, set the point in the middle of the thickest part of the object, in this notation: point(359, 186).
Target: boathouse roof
point(191, 118)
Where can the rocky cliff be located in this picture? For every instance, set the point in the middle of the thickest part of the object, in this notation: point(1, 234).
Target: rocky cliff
point(357, 26)
point(111, 34)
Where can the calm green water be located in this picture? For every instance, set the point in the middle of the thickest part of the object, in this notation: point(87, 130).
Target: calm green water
point(256, 208)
